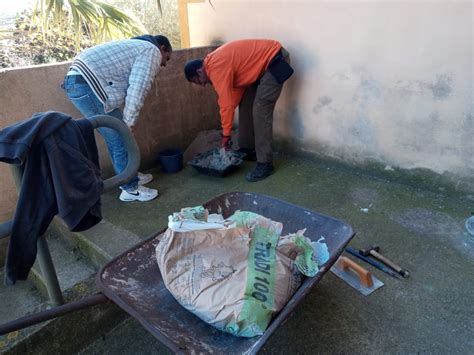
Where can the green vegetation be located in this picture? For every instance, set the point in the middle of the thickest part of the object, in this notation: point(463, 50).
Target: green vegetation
point(56, 30)
point(158, 17)
point(29, 45)
point(99, 20)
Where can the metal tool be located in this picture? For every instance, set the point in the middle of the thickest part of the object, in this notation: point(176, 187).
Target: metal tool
point(374, 251)
point(356, 276)
point(373, 263)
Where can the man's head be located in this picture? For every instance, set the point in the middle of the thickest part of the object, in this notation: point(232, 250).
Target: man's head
point(165, 48)
point(195, 72)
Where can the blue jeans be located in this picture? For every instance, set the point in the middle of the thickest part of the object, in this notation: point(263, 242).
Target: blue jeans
point(84, 99)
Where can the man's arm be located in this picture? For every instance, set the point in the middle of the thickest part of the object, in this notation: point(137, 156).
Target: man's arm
point(141, 77)
point(229, 98)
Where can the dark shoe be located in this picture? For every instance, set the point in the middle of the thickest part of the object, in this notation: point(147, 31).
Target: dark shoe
point(261, 171)
point(250, 154)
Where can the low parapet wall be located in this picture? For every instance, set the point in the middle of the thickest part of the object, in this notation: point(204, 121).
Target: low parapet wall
point(172, 115)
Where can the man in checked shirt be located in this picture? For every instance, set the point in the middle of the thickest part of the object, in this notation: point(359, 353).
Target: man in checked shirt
point(108, 76)
point(250, 74)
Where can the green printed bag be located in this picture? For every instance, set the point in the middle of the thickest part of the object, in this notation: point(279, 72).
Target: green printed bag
point(235, 278)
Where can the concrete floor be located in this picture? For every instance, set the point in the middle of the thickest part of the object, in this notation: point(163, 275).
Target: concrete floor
point(423, 231)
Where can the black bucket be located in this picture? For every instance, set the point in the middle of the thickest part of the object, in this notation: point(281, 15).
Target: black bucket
point(171, 160)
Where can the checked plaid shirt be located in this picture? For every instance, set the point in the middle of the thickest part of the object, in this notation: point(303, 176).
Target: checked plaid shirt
point(120, 73)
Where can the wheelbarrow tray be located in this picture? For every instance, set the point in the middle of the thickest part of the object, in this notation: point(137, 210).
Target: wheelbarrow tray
point(133, 280)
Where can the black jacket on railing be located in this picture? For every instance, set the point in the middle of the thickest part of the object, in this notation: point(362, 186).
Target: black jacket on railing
point(61, 176)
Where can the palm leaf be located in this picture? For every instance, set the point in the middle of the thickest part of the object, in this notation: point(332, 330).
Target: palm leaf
point(98, 19)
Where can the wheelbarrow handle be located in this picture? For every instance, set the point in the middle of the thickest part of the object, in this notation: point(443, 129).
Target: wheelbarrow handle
point(55, 312)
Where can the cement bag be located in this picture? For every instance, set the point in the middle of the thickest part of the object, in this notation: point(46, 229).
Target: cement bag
point(235, 276)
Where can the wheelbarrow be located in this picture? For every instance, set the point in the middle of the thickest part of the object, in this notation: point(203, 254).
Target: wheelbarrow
point(133, 281)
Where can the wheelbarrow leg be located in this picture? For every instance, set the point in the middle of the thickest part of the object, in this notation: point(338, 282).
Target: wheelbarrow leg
point(49, 272)
point(44, 256)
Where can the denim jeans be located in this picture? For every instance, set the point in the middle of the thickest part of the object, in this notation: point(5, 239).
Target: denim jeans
point(84, 99)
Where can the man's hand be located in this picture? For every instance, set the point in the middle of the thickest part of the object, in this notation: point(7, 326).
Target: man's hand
point(226, 142)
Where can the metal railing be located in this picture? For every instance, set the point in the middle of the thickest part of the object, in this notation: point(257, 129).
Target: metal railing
point(44, 256)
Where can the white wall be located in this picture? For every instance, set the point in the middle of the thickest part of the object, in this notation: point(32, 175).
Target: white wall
point(384, 80)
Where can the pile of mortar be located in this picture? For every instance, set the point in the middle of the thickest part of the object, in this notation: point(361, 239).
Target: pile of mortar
point(218, 159)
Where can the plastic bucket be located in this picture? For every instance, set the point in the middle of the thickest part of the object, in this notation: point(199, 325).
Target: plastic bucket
point(171, 160)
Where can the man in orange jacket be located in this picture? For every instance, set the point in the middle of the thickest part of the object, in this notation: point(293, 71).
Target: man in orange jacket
point(249, 74)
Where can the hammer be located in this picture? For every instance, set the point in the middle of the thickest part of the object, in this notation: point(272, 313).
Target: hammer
point(374, 251)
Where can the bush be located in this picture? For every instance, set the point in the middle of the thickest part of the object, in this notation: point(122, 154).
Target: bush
point(27, 45)
point(165, 23)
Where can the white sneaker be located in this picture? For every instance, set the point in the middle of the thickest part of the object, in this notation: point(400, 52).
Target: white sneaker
point(144, 179)
point(141, 193)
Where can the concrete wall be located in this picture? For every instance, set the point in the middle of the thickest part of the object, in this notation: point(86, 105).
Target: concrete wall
point(171, 117)
point(384, 81)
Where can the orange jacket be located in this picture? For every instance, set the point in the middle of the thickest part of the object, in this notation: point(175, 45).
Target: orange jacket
point(233, 67)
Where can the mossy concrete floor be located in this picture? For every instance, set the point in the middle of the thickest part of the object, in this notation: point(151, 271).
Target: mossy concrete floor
point(423, 231)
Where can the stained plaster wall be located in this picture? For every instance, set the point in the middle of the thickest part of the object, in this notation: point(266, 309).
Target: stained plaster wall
point(170, 118)
point(383, 81)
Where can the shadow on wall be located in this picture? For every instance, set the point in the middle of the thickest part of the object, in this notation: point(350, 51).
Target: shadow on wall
point(292, 126)
point(217, 42)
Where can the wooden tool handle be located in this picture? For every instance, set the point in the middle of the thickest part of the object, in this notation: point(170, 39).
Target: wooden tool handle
point(386, 261)
point(364, 275)
point(389, 263)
